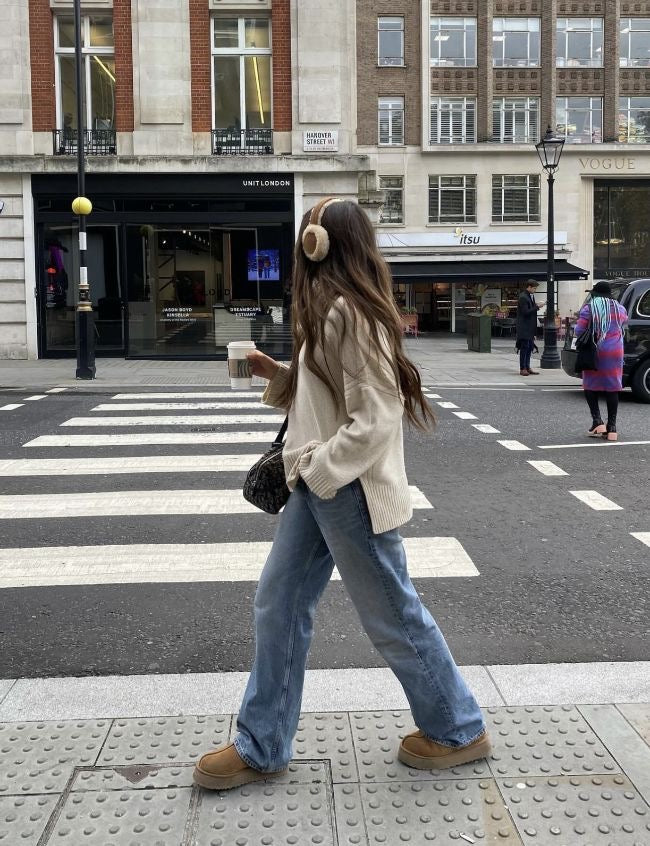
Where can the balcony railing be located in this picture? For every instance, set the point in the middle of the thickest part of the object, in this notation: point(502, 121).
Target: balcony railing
point(97, 142)
point(242, 142)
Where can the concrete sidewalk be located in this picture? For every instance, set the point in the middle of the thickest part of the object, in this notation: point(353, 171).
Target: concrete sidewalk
point(443, 360)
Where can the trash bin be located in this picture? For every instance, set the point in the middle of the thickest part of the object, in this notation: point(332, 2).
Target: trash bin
point(479, 333)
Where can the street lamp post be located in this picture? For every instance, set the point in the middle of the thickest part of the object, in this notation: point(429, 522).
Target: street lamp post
point(82, 206)
point(549, 150)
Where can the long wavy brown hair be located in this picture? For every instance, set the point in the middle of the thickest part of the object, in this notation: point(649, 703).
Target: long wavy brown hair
point(354, 270)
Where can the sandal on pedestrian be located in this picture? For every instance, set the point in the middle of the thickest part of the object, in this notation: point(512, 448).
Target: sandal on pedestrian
point(597, 430)
point(224, 769)
point(420, 753)
point(610, 435)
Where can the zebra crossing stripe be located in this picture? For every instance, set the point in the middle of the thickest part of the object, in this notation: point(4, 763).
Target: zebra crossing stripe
point(173, 420)
point(596, 501)
point(174, 406)
point(56, 390)
point(428, 557)
point(152, 439)
point(644, 537)
point(194, 395)
point(464, 415)
point(12, 406)
point(127, 464)
point(137, 503)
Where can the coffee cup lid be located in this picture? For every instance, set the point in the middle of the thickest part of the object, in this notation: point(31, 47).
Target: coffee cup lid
point(242, 344)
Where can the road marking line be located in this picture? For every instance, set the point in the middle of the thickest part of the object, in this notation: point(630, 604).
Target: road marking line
point(551, 390)
point(175, 406)
point(465, 415)
point(169, 420)
point(432, 396)
point(197, 395)
point(447, 404)
point(428, 557)
point(593, 444)
point(12, 406)
point(547, 468)
point(127, 464)
point(35, 397)
point(138, 503)
point(151, 439)
point(644, 537)
point(596, 501)
point(481, 388)
point(515, 446)
point(56, 390)
point(486, 428)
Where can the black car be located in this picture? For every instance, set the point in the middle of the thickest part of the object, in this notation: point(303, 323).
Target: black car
point(635, 297)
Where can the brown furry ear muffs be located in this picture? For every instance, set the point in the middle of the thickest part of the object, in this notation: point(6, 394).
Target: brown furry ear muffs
point(315, 240)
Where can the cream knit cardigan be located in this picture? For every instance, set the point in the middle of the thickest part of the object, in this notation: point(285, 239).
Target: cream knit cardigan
point(329, 447)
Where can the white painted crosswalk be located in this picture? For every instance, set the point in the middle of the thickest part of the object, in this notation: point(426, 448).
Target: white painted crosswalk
point(127, 464)
point(152, 439)
point(175, 406)
point(172, 420)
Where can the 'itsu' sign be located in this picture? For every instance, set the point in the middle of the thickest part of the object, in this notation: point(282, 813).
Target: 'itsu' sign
point(320, 141)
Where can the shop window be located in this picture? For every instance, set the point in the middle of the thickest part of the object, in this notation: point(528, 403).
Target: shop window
point(516, 42)
point(453, 42)
point(515, 198)
point(580, 119)
point(390, 42)
point(241, 56)
point(515, 120)
point(452, 199)
point(634, 120)
point(579, 43)
point(391, 120)
point(392, 211)
point(453, 120)
point(98, 80)
point(634, 41)
point(621, 238)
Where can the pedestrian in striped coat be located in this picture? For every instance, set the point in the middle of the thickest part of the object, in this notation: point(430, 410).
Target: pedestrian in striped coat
point(605, 317)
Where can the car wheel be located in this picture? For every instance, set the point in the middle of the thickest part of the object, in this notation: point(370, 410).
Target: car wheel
point(641, 382)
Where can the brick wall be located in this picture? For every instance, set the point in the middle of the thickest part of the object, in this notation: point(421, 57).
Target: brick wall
point(200, 59)
point(41, 46)
point(123, 65)
point(281, 41)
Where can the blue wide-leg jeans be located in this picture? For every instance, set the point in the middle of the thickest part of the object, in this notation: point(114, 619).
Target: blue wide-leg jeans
point(312, 536)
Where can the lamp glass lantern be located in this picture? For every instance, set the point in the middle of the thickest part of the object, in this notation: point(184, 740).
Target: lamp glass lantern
point(549, 150)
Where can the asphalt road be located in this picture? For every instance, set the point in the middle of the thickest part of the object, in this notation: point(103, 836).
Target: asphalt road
point(558, 581)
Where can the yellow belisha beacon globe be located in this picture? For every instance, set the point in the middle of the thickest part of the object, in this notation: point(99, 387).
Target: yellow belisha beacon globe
point(82, 205)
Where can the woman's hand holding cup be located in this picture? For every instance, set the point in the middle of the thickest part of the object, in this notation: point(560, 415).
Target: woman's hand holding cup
point(262, 365)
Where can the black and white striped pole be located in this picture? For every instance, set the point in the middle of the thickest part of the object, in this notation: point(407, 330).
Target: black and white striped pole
point(82, 206)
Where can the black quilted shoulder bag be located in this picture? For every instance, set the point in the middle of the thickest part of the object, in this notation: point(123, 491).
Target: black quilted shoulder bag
point(266, 484)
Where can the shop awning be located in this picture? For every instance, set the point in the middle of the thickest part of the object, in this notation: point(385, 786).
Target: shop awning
point(469, 271)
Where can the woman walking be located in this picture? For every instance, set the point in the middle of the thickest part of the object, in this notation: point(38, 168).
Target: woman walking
point(346, 391)
point(605, 317)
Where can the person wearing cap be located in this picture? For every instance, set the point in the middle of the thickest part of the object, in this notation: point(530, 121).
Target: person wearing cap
point(527, 310)
point(605, 318)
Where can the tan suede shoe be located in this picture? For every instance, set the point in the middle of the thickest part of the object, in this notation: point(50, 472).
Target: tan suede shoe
point(419, 752)
point(223, 769)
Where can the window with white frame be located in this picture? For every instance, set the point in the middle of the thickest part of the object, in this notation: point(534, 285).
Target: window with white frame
point(635, 42)
point(98, 72)
point(515, 120)
point(392, 211)
point(391, 120)
point(515, 198)
point(241, 68)
point(516, 42)
point(390, 41)
point(453, 42)
point(453, 120)
point(452, 199)
point(634, 120)
point(579, 43)
point(580, 119)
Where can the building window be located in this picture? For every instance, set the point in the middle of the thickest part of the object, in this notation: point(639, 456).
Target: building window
point(390, 37)
point(453, 42)
point(579, 43)
point(634, 120)
point(453, 120)
point(98, 79)
point(635, 38)
point(580, 119)
point(241, 67)
point(391, 120)
point(516, 42)
point(515, 199)
point(515, 120)
point(392, 210)
point(452, 199)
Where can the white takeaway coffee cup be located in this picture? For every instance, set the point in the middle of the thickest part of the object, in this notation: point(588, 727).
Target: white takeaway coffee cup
point(239, 367)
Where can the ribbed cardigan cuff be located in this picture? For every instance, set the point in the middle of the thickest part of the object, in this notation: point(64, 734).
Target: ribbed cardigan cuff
point(275, 386)
point(317, 481)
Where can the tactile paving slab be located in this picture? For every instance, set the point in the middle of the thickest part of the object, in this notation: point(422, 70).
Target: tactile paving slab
point(134, 777)
point(566, 811)
point(269, 814)
point(23, 818)
point(348, 812)
point(162, 740)
point(544, 741)
point(422, 813)
point(377, 735)
point(327, 736)
point(40, 757)
point(127, 818)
